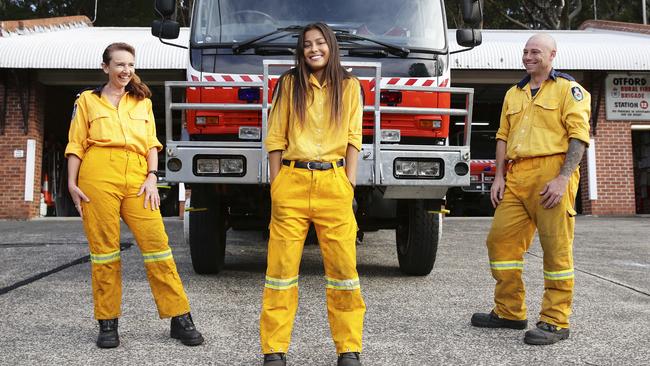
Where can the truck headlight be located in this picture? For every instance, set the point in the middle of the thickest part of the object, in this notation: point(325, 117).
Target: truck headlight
point(406, 168)
point(428, 169)
point(420, 168)
point(207, 166)
point(232, 166)
point(220, 165)
point(390, 136)
point(249, 133)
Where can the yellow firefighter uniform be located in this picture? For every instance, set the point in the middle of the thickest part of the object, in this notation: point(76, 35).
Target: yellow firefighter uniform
point(537, 130)
point(324, 197)
point(112, 144)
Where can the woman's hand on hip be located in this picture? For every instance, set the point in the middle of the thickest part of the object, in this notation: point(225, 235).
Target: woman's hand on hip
point(77, 196)
point(150, 190)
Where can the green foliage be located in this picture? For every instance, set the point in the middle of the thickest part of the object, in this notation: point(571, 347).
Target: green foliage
point(546, 14)
point(116, 13)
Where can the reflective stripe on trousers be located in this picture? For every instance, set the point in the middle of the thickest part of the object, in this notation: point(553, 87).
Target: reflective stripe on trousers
point(111, 179)
point(515, 220)
point(300, 196)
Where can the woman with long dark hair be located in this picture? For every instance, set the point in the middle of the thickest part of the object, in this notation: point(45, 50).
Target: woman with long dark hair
point(313, 141)
point(112, 160)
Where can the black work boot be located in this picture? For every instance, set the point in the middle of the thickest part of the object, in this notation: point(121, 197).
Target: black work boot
point(108, 337)
point(182, 327)
point(546, 333)
point(275, 359)
point(349, 359)
point(492, 320)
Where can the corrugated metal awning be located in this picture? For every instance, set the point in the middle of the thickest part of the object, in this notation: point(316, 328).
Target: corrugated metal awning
point(592, 49)
point(81, 48)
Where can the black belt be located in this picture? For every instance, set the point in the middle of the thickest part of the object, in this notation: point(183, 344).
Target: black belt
point(313, 165)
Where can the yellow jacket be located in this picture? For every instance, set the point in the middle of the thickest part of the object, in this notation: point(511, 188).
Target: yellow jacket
point(319, 139)
point(97, 122)
point(542, 125)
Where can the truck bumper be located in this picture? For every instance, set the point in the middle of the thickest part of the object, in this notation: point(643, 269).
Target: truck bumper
point(453, 162)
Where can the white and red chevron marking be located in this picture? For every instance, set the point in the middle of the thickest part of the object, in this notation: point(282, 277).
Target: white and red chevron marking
point(231, 77)
point(386, 83)
point(483, 161)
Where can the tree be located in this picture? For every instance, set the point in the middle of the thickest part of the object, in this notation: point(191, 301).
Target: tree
point(541, 14)
point(129, 13)
point(547, 14)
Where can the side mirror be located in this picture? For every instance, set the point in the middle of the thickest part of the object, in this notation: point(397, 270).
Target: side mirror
point(472, 12)
point(468, 37)
point(166, 29)
point(166, 8)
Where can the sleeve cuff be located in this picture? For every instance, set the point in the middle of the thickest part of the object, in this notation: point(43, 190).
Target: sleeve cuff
point(74, 150)
point(580, 137)
point(158, 147)
point(275, 146)
point(355, 143)
point(501, 136)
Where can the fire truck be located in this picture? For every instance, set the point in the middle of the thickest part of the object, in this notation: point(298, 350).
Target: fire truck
point(474, 199)
point(400, 53)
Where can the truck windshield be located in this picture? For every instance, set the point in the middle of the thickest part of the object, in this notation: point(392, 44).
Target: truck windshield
point(417, 24)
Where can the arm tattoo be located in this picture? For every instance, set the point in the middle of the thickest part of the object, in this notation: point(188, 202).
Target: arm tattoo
point(573, 157)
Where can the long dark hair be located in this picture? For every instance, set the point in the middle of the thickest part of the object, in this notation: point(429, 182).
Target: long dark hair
point(136, 87)
point(334, 75)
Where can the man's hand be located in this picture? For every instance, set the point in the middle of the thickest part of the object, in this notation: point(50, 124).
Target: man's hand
point(77, 196)
point(554, 191)
point(496, 192)
point(150, 190)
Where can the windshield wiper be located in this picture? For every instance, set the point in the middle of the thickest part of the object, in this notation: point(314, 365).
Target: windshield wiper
point(247, 44)
point(394, 49)
point(341, 34)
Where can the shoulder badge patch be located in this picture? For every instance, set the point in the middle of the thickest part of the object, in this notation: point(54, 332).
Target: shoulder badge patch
point(577, 93)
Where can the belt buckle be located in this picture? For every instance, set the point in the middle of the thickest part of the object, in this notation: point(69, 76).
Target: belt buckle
point(309, 165)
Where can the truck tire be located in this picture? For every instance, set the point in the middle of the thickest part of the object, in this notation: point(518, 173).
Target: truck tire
point(207, 230)
point(417, 236)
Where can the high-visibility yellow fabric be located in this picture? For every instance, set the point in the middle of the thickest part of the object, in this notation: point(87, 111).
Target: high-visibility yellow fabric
point(300, 196)
point(97, 122)
point(316, 140)
point(543, 124)
point(111, 178)
point(513, 228)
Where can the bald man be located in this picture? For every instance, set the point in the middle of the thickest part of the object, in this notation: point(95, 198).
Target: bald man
point(543, 133)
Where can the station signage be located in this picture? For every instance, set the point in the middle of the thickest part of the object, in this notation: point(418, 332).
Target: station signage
point(627, 97)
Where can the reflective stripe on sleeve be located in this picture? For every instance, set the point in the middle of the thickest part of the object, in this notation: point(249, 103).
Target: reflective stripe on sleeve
point(105, 258)
point(280, 283)
point(506, 265)
point(157, 256)
point(566, 274)
point(350, 284)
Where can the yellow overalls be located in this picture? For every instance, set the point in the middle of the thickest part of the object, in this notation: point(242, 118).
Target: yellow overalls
point(537, 132)
point(322, 197)
point(112, 144)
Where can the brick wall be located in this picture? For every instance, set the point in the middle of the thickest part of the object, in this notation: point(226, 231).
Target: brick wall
point(614, 169)
point(12, 170)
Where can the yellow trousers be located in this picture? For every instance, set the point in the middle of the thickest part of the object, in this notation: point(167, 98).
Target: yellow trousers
point(111, 178)
point(300, 196)
point(513, 228)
